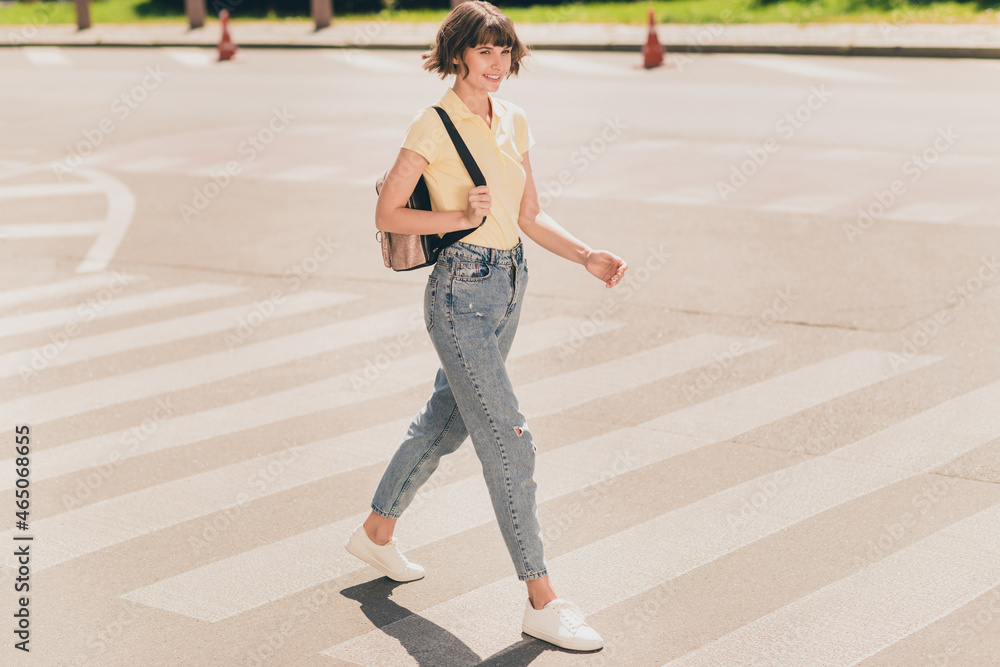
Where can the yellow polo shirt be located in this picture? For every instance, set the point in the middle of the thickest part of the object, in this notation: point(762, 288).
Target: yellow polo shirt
point(497, 150)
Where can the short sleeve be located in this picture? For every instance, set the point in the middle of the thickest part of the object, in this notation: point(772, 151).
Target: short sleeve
point(425, 135)
point(523, 138)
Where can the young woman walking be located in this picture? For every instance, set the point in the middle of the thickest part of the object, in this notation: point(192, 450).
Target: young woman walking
point(472, 303)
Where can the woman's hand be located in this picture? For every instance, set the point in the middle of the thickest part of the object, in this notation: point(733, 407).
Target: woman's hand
point(479, 206)
point(607, 266)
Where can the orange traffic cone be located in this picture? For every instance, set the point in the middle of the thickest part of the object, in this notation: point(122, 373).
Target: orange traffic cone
point(652, 53)
point(227, 48)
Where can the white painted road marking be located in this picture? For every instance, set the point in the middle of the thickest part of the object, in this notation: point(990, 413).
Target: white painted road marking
point(90, 529)
point(46, 56)
point(156, 333)
point(213, 367)
point(309, 172)
point(855, 618)
point(191, 57)
point(646, 555)
point(153, 165)
point(117, 305)
point(41, 230)
point(687, 196)
point(340, 390)
point(121, 207)
point(576, 64)
point(817, 203)
point(367, 60)
point(450, 509)
point(930, 211)
point(806, 67)
point(69, 287)
point(120, 204)
point(45, 190)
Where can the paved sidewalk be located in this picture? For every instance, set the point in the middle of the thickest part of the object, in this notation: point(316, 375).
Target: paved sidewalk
point(864, 39)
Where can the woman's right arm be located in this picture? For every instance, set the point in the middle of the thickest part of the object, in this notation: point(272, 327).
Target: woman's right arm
point(391, 214)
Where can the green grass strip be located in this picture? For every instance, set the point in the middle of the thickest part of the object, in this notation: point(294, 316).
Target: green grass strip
point(630, 13)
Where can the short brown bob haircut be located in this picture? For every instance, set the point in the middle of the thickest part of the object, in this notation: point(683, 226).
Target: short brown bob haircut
point(472, 23)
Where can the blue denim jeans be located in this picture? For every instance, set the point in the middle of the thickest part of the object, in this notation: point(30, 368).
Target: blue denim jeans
point(472, 303)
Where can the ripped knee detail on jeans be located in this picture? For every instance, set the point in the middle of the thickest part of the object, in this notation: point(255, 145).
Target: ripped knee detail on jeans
point(520, 432)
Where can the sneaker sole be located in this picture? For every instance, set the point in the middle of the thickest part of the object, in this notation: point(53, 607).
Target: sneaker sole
point(554, 641)
point(376, 565)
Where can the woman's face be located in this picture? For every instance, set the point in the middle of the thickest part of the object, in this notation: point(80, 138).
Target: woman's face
point(488, 64)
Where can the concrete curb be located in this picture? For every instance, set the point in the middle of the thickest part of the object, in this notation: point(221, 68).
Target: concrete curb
point(862, 39)
point(847, 50)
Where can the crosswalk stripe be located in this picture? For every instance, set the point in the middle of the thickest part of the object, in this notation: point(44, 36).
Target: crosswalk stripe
point(207, 368)
point(965, 160)
point(438, 514)
point(76, 285)
point(933, 437)
point(591, 190)
point(340, 390)
point(12, 165)
point(114, 305)
point(308, 172)
point(801, 66)
point(816, 203)
point(46, 55)
point(210, 170)
point(367, 60)
point(726, 148)
point(687, 196)
point(45, 230)
point(191, 57)
point(443, 512)
point(188, 373)
point(553, 394)
point(90, 529)
point(931, 212)
point(668, 545)
point(156, 333)
point(49, 189)
point(744, 409)
point(858, 616)
point(848, 154)
point(576, 64)
point(154, 164)
point(650, 145)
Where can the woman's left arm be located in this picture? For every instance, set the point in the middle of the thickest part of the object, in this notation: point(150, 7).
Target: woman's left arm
point(546, 232)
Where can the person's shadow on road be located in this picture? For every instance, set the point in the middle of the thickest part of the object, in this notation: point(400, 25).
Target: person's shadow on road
point(429, 643)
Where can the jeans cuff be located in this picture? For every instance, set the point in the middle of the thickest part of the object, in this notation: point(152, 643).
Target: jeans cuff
point(381, 513)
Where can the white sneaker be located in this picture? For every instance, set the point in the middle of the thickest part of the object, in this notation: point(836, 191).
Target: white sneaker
point(385, 558)
point(560, 622)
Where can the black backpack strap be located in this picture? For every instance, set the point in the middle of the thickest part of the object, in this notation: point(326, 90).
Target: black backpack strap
point(470, 166)
point(463, 150)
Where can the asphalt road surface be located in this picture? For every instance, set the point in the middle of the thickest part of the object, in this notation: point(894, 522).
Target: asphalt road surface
point(776, 443)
